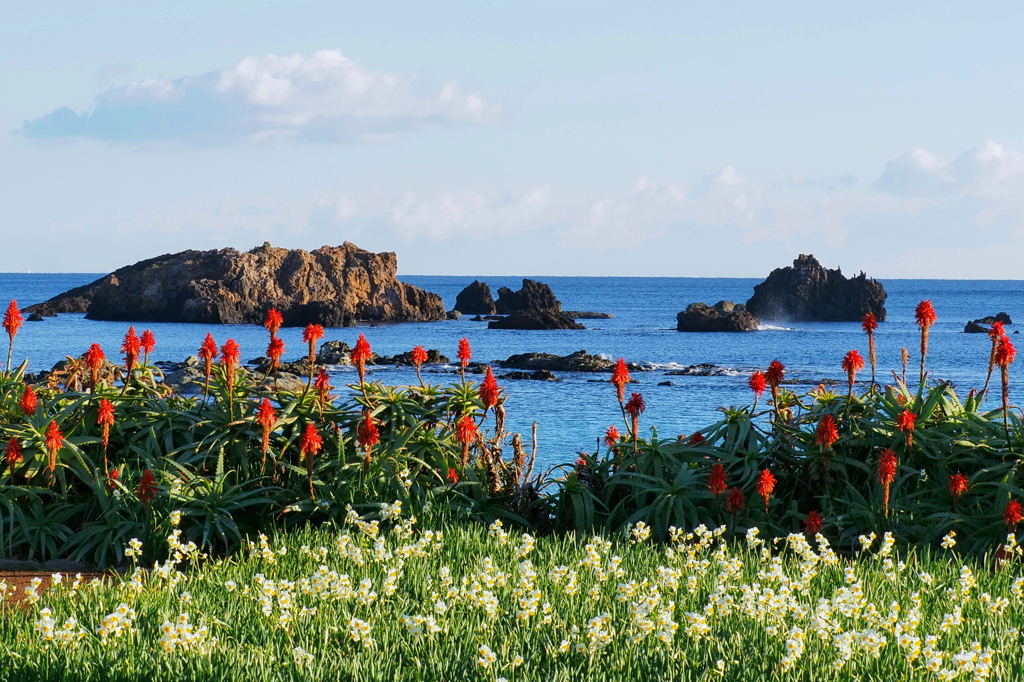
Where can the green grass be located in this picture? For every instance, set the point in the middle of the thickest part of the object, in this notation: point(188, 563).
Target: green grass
point(748, 600)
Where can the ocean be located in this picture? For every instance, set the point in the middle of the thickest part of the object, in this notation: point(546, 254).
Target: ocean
point(574, 412)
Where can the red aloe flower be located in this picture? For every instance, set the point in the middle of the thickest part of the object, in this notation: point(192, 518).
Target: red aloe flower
point(869, 324)
point(887, 465)
point(28, 402)
point(94, 358)
point(13, 319)
point(826, 433)
point(207, 352)
point(266, 417)
point(453, 476)
point(229, 358)
point(611, 436)
point(12, 322)
point(361, 354)
point(634, 408)
point(620, 379)
point(13, 456)
point(148, 343)
point(925, 316)
point(309, 445)
point(765, 486)
point(465, 352)
point(1004, 357)
point(369, 434)
point(813, 522)
point(697, 439)
point(735, 500)
point(1013, 514)
point(465, 433)
point(323, 387)
point(275, 351)
point(419, 356)
point(958, 485)
point(905, 423)
point(716, 480)
point(852, 363)
point(489, 391)
point(273, 321)
point(105, 419)
point(114, 475)
point(130, 347)
point(54, 442)
point(146, 491)
point(758, 384)
point(465, 355)
point(995, 332)
point(310, 335)
point(311, 441)
point(775, 375)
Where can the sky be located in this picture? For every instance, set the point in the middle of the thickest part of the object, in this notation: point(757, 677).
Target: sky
point(709, 138)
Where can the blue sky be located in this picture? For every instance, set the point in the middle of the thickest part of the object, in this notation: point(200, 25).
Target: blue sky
point(668, 139)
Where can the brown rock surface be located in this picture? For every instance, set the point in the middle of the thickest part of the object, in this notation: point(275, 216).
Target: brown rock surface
point(332, 286)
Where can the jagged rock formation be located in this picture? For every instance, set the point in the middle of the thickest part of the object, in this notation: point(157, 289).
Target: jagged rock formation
point(808, 292)
point(332, 286)
point(700, 317)
point(475, 299)
point(533, 296)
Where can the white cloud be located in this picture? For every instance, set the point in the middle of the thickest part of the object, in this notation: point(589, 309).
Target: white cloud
point(918, 173)
point(322, 97)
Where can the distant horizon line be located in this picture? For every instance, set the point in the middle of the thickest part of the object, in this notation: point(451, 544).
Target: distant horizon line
point(538, 277)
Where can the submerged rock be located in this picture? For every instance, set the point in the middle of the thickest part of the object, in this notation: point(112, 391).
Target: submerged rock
point(977, 326)
point(332, 286)
point(704, 369)
point(536, 319)
point(700, 317)
point(584, 315)
point(808, 292)
point(539, 375)
point(580, 361)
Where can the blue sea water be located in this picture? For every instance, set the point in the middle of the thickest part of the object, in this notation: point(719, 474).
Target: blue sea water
point(573, 413)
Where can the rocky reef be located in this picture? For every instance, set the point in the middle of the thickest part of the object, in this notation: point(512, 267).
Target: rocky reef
point(333, 286)
point(806, 291)
point(724, 316)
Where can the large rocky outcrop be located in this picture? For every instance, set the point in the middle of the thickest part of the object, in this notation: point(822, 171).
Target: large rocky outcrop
point(808, 292)
point(700, 317)
point(533, 296)
point(332, 286)
point(475, 299)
